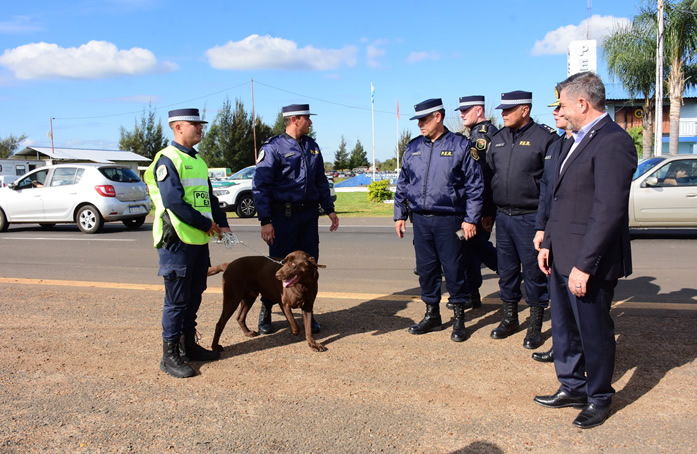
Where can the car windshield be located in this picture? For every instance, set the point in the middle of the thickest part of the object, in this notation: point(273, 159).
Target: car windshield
point(119, 174)
point(645, 165)
point(244, 174)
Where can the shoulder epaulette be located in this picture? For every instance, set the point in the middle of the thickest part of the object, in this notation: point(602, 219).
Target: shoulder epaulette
point(417, 137)
point(269, 140)
point(547, 128)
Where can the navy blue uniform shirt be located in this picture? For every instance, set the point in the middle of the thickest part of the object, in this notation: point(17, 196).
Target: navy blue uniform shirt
point(480, 138)
point(290, 171)
point(517, 160)
point(440, 177)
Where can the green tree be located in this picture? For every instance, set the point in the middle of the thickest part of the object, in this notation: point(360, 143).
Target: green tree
point(388, 165)
point(358, 157)
point(147, 138)
point(404, 139)
point(680, 50)
point(229, 141)
point(341, 158)
point(630, 52)
point(9, 144)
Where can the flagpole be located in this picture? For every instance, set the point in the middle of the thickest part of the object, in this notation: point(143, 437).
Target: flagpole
point(397, 135)
point(254, 124)
point(372, 111)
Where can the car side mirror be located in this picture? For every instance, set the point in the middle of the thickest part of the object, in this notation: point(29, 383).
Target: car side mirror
point(651, 181)
point(12, 186)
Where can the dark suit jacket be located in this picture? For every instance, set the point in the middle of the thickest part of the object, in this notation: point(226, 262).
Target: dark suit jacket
point(588, 226)
point(547, 181)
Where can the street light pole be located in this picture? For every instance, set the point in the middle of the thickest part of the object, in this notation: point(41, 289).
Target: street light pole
point(658, 136)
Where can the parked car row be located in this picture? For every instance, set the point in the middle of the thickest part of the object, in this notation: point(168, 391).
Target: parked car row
point(86, 194)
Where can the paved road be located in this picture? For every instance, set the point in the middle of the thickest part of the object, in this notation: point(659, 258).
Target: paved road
point(363, 257)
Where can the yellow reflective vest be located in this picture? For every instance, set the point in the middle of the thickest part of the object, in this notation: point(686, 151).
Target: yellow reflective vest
point(193, 174)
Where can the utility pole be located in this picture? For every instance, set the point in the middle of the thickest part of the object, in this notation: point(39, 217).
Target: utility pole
point(658, 136)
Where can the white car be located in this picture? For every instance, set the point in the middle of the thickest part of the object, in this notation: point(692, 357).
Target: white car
point(86, 194)
point(664, 193)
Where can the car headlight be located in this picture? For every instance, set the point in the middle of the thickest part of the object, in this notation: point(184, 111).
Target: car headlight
point(218, 192)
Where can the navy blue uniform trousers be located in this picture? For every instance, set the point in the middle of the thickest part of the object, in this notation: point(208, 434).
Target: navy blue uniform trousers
point(478, 250)
point(514, 248)
point(437, 246)
point(584, 338)
point(185, 272)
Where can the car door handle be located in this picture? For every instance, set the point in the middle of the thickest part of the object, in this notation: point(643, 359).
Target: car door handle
point(691, 194)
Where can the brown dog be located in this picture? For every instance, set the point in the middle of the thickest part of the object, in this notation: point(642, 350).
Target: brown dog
point(294, 284)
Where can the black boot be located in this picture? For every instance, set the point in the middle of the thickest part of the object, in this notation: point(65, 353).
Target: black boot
point(544, 357)
point(189, 350)
point(172, 363)
point(430, 322)
point(265, 318)
point(459, 334)
point(509, 324)
point(533, 338)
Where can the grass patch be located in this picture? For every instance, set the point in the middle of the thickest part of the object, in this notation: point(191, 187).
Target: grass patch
point(356, 204)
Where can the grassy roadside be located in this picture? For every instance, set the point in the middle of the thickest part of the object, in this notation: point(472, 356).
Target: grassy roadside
point(355, 204)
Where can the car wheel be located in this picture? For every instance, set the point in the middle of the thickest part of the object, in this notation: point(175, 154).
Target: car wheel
point(89, 219)
point(134, 223)
point(245, 206)
point(47, 225)
point(3, 221)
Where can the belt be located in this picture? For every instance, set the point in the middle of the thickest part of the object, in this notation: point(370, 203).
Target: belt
point(290, 208)
point(437, 213)
point(515, 211)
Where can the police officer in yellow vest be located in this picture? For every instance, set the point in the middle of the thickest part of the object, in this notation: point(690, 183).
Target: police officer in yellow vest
point(186, 215)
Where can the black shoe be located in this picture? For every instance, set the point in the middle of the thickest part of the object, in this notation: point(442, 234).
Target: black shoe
point(544, 357)
point(172, 363)
point(592, 415)
point(533, 338)
point(459, 333)
point(315, 326)
point(265, 326)
point(430, 322)
point(561, 399)
point(189, 350)
point(509, 325)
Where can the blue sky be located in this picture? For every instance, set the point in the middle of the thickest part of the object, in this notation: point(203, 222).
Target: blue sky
point(95, 65)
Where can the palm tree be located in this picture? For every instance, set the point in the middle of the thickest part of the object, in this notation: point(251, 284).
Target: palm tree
point(680, 48)
point(630, 52)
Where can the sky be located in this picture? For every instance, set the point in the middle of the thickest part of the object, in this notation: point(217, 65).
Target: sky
point(95, 66)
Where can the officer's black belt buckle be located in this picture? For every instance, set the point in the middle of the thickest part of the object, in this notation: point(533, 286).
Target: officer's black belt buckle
point(290, 208)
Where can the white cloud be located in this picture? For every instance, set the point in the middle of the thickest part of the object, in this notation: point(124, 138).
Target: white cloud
point(374, 53)
point(557, 41)
point(18, 24)
point(267, 52)
point(416, 57)
point(94, 60)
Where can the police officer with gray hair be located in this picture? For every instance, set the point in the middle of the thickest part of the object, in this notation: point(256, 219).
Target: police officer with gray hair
point(442, 185)
point(517, 157)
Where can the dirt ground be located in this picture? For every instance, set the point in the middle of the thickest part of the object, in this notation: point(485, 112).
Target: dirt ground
point(79, 373)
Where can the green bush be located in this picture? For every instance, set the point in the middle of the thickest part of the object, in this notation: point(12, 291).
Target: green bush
point(378, 191)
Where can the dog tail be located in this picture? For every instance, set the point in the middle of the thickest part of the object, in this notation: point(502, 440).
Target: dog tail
point(217, 269)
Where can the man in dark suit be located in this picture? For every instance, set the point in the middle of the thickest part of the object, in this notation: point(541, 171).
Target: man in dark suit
point(586, 249)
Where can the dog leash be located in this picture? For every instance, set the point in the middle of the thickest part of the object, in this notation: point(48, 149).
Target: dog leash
point(229, 239)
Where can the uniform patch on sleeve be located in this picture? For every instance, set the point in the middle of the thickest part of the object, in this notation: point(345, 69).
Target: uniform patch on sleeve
point(260, 158)
point(161, 173)
point(480, 144)
point(475, 154)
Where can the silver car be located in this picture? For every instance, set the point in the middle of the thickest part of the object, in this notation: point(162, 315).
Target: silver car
point(664, 193)
point(87, 194)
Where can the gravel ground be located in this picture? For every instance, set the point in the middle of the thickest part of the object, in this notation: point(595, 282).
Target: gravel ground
point(79, 373)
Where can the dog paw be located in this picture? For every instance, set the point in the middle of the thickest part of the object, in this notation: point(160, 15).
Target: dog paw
point(217, 347)
point(251, 334)
point(318, 347)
